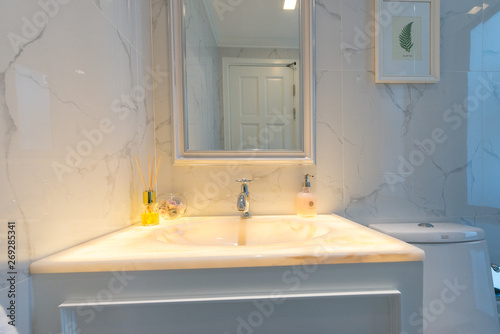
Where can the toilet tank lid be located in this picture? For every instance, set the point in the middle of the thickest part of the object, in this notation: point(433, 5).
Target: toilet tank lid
point(430, 232)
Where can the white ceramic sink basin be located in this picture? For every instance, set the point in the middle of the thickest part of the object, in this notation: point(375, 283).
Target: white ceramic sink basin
point(234, 231)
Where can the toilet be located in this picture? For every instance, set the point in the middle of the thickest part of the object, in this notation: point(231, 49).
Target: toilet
point(458, 290)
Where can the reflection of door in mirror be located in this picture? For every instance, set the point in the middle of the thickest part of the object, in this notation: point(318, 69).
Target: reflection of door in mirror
point(260, 104)
point(264, 37)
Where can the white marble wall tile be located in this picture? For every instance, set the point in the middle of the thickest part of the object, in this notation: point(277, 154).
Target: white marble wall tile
point(491, 140)
point(163, 124)
point(328, 35)
point(440, 147)
point(214, 190)
point(377, 126)
point(126, 16)
point(491, 226)
point(330, 168)
point(491, 38)
point(450, 180)
point(440, 192)
point(475, 143)
point(65, 83)
point(57, 96)
point(482, 142)
point(378, 134)
point(461, 39)
point(358, 35)
point(142, 14)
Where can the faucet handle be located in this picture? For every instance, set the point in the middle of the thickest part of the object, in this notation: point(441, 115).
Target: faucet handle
point(244, 181)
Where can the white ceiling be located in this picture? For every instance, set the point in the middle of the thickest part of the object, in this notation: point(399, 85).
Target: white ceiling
point(253, 23)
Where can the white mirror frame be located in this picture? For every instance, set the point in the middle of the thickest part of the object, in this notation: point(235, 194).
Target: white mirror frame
point(181, 156)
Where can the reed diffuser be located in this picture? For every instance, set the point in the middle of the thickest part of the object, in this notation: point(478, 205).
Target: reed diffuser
point(150, 215)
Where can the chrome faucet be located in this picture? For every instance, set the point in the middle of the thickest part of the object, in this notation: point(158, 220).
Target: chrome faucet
point(243, 203)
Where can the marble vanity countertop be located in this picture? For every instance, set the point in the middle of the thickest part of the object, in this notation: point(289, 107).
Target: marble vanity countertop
point(169, 246)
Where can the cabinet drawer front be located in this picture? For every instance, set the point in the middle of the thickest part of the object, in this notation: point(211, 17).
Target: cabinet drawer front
point(320, 313)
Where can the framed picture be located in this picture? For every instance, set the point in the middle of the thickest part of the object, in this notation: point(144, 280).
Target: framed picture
point(407, 41)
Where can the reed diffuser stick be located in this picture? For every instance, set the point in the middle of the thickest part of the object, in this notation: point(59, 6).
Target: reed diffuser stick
point(157, 168)
point(152, 173)
point(149, 172)
point(140, 172)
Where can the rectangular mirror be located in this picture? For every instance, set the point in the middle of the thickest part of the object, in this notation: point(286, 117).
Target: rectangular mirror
point(242, 81)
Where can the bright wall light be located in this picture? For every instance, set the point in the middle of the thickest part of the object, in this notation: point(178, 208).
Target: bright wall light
point(289, 4)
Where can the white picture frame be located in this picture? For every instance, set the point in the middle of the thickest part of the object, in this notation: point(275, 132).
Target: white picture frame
point(407, 41)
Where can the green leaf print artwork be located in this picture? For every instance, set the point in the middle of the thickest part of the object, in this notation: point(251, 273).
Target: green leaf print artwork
point(405, 38)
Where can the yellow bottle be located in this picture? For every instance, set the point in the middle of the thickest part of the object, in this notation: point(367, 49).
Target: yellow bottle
point(306, 200)
point(150, 215)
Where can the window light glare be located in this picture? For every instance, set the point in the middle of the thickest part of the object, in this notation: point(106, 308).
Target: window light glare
point(289, 4)
point(474, 10)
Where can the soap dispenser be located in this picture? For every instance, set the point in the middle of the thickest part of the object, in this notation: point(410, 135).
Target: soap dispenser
point(306, 200)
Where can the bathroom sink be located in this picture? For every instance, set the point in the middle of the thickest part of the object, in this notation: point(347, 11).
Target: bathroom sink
point(231, 242)
point(234, 231)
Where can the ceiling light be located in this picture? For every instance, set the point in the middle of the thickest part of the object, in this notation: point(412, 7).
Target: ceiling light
point(290, 4)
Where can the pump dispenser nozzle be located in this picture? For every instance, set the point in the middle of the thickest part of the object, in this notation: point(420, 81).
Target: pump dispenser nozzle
point(306, 182)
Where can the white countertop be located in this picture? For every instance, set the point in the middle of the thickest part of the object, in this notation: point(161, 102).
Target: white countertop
point(161, 248)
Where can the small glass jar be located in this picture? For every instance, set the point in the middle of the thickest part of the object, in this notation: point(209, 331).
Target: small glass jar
point(172, 207)
point(150, 215)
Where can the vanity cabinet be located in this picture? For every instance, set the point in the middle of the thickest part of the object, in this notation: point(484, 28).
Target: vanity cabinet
point(333, 298)
point(226, 275)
